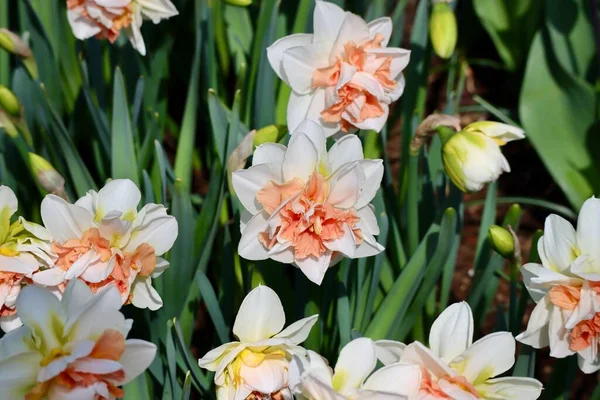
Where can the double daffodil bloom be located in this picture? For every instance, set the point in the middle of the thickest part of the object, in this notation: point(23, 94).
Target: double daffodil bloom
point(353, 378)
point(472, 157)
point(70, 349)
point(258, 363)
point(24, 247)
point(566, 288)
point(453, 367)
point(103, 240)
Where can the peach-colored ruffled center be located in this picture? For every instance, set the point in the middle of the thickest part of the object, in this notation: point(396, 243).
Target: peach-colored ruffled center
point(565, 297)
point(141, 262)
point(109, 346)
point(121, 18)
point(431, 388)
point(10, 279)
point(307, 221)
point(351, 93)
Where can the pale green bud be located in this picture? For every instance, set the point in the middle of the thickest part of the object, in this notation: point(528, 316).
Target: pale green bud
point(443, 30)
point(269, 134)
point(240, 3)
point(47, 176)
point(502, 241)
point(9, 102)
point(14, 44)
point(471, 159)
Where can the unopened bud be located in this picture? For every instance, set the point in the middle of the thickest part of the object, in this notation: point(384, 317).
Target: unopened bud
point(240, 3)
point(442, 29)
point(269, 134)
point(502, 241)
point(47, 176)
point(14, 44)
point(9, 102)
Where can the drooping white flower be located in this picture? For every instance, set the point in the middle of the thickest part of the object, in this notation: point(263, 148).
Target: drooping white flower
point(259, 362)
point(70, 349)
point(453, 367)
point(473, 158)
point(353, 377)
point(103, 240)
point(566, 288)
point(308, 206)
point(342, 76)
point(24, 247)
point(106, 18)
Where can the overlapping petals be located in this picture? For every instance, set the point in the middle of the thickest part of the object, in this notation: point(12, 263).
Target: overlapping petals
point(70, 349)
point(343, 76)
point(103, 240)
point(566, 288)
point(308, 206)
point(259, 362)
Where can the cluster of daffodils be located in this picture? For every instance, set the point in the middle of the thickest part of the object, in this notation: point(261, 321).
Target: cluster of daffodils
point(566, 288)
point(74, 348)
point(102, 241)
point(105, 19)
point(268, 363)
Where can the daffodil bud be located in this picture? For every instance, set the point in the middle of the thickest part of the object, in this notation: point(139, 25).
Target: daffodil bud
point(240, 3)
point(46, 175)
point(269, 134)
point(9, 102)
point(14, 44)
point(501, 133)
point(502, 241)
point(442, 29)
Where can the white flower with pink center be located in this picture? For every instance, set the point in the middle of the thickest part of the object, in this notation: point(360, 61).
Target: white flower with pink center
point(307, 206)
point(74, 348)
point(103, 240)
point(343, 76)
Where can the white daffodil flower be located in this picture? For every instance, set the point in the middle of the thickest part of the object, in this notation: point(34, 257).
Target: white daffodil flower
point(307, 206)
point(106, 18)
point(311, 378)
point(473, 158)
point(342, 76)
point(103, 240)
point(24, 247)
point(70, 349)
point(453, 367)
point(566, 288)
point(258, 363)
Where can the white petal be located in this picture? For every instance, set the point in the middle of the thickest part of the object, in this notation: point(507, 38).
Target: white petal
point(157, 10)
point(268, 153)
point(313, 387)
point(248, 182)
point(327, 20)
point(497, 130)
point(355, 29)
point(18, 374)
point(344, 186)
point(65, 221)
point(345, 245)
point(488, 357)
point(355, 363)
point(299, 330)
point(452, 332)
point(118, 195)
point(373, 172)
point(144, 295)
point(368, 220)
point(40, 311)
point(17, 265)
point(400, 59)
point(95, 365)
point(81, 264)
point(536, 334)
point(250, 246)
point(82, 27)
point(276, 50)
point(315, 133)
point(159, 233)
point(558, 334)
point(10, 323)
point(588, 362)
point(588, 231)
point(347, 149)
point(301, 158)
point(402, 379)
point(260, 316)
point(138, 356)
point(416, 353)
point(268, 377)
point(49, 277)
point(389, 351)
point(512, 388)
point(315, 268)
point(134, 34)
point(76, 295)
point(537, 276)
point(16, 341)
point(382, 26)
point(375, 124)
point(300, 64)
point(560, 243)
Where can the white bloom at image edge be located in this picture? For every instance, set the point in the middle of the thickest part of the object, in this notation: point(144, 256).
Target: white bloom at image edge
point(106, 18)
point(259, 362)
point(74, 349)
point(455, 367)
point(343, 76)
point(309, 206)
point(566, 288)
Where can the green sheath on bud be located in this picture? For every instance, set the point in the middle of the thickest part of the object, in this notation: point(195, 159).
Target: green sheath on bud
point(502, 241)
point(9, 102)
point(241, 3)
point(269, 134)
point(443, 30)
point(46, 175)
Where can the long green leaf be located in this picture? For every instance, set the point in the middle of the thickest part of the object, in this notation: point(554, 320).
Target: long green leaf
point(123, 158)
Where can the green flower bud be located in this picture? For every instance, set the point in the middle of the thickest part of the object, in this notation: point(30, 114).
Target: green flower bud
point(47, 176)
point(240, 3)
point(502, 241)
point(9, 102)
point(442, 29)
point(14, 44)
point(269, 134)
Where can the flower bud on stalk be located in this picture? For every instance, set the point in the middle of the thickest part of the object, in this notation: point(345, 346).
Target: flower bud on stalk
point(442, 29)
point(17, 46)
point(502, 241)
point(9, 102)
point(47, 176)
point(12, 117)
point(240, 3)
